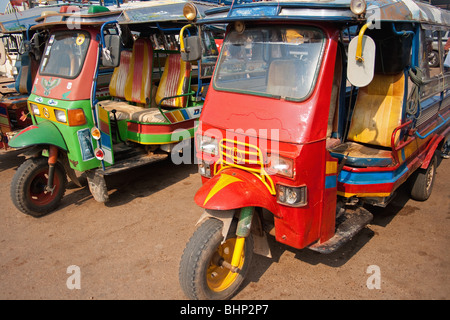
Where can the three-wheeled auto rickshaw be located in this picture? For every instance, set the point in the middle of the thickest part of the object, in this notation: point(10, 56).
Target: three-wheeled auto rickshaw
point(301, 127)
point(111, 93)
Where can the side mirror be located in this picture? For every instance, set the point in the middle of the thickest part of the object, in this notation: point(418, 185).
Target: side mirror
point(192, 48)
point(361, 61)
point(111, 51)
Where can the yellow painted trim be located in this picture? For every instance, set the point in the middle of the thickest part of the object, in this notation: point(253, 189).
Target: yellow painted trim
point(224, 181)
point(51, 112)
point(237, 253)
point(363, 195)
point(331, 167)
point(239, 155)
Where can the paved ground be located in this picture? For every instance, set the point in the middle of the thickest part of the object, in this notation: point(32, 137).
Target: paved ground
point(131, 247)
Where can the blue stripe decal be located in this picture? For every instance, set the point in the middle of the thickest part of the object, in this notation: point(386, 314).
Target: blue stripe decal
point(185, 114)
point(330, 182)
point(105, 139)
point(361, 178)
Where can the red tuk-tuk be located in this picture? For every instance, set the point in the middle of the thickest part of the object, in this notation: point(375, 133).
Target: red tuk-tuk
point(301, 128)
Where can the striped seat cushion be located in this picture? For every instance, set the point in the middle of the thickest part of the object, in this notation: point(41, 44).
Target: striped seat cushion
point(125, 111)
point(138, 84)
point(119, 77)
point(174, 81)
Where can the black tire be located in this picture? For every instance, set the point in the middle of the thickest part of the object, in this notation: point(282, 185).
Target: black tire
point(97, 186)
point(421, 183)
point(28, 183)
point(195, 276)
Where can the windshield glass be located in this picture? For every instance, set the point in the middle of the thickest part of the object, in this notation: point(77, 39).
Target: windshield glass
point(275, 61)
point(64, 54)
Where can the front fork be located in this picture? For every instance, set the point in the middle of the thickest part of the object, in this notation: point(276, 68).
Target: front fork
point(52, 159)
point(243, 231)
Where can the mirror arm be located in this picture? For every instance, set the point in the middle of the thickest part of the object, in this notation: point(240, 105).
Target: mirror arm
point(102, 36)
point(359, 57)
point(182, 47)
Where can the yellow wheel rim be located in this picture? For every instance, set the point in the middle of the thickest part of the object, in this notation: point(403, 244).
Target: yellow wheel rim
point(220, 278)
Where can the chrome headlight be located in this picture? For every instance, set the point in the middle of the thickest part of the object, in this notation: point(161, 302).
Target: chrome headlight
point(280, 165)
point(35, 109)
point(60, 116)
point(208, 145)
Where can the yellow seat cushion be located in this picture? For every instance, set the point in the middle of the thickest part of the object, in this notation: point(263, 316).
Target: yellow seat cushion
point(378, 110)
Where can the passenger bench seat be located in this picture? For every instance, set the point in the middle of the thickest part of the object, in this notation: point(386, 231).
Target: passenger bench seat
point(377, 112)
point(131, 81)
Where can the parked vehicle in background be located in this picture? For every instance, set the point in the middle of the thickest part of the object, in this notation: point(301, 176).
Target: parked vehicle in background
point(439, 37)
point(111, 93)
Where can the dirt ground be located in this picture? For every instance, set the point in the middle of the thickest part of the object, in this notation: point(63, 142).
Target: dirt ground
point(131, 247)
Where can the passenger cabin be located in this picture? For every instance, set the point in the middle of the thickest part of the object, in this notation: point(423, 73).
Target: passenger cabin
point(404, 88)
point(137, 95)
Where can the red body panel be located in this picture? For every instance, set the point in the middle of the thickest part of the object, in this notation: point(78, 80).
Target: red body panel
point(302, 131)
point(245, 190)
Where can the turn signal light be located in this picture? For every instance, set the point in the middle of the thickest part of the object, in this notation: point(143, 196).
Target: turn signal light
point(76, 117)
point(292, 196)
point(95, 133)
point(99, 154)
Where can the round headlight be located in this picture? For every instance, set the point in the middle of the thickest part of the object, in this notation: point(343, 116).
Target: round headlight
point(358, 7)
point(239, 26)
point(190, 11)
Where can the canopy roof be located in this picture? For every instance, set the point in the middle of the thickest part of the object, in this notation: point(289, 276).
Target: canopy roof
point(330, 10)
point(129, 13)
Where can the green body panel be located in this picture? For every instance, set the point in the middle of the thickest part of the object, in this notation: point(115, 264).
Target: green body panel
point(74, 137)
point(44, 133)
point(164, 138)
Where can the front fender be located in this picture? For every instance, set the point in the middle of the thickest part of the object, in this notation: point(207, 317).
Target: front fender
point(233, 189)
point(43, 133)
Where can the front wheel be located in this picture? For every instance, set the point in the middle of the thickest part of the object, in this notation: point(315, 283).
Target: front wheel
point(202, 274)
point(28, 187)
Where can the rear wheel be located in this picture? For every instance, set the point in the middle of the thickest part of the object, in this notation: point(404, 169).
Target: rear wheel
point(28, 187)
point(422, 182)
point(202, 275)
point(433, 59)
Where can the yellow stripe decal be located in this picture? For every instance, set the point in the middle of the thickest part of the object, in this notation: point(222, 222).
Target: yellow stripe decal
point(331, 167)
point(224, 181)
point(361, 195)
